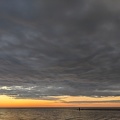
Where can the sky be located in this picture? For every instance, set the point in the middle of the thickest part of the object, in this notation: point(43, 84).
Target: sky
point(59, 53)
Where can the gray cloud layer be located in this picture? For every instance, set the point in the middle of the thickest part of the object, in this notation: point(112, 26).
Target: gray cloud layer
point(59, 48)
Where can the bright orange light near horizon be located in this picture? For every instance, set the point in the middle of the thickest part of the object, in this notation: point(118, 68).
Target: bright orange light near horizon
point(6, 101)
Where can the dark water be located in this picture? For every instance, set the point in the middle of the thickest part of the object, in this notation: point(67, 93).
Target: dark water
point(58, 114)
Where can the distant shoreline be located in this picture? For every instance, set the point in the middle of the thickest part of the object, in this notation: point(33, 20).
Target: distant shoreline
point(75, 108)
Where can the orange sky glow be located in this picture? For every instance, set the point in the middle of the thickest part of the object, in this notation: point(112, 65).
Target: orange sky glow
point(70, 101)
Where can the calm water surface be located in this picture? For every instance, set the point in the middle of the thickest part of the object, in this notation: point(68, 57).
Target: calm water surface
point(58, 114)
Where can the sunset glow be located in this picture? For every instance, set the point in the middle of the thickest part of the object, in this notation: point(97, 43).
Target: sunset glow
point(65, 101)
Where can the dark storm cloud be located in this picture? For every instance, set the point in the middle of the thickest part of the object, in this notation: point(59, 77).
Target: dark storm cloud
point(59, 48)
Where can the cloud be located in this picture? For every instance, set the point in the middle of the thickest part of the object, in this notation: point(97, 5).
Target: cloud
point(109, 101)
point(59, 48)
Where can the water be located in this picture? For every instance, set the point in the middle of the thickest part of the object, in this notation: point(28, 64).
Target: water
point(58, 114)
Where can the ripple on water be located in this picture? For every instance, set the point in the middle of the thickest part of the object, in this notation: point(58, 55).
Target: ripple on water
point(57, 114)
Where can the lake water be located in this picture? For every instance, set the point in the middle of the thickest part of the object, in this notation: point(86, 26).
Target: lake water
point(58, 114)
